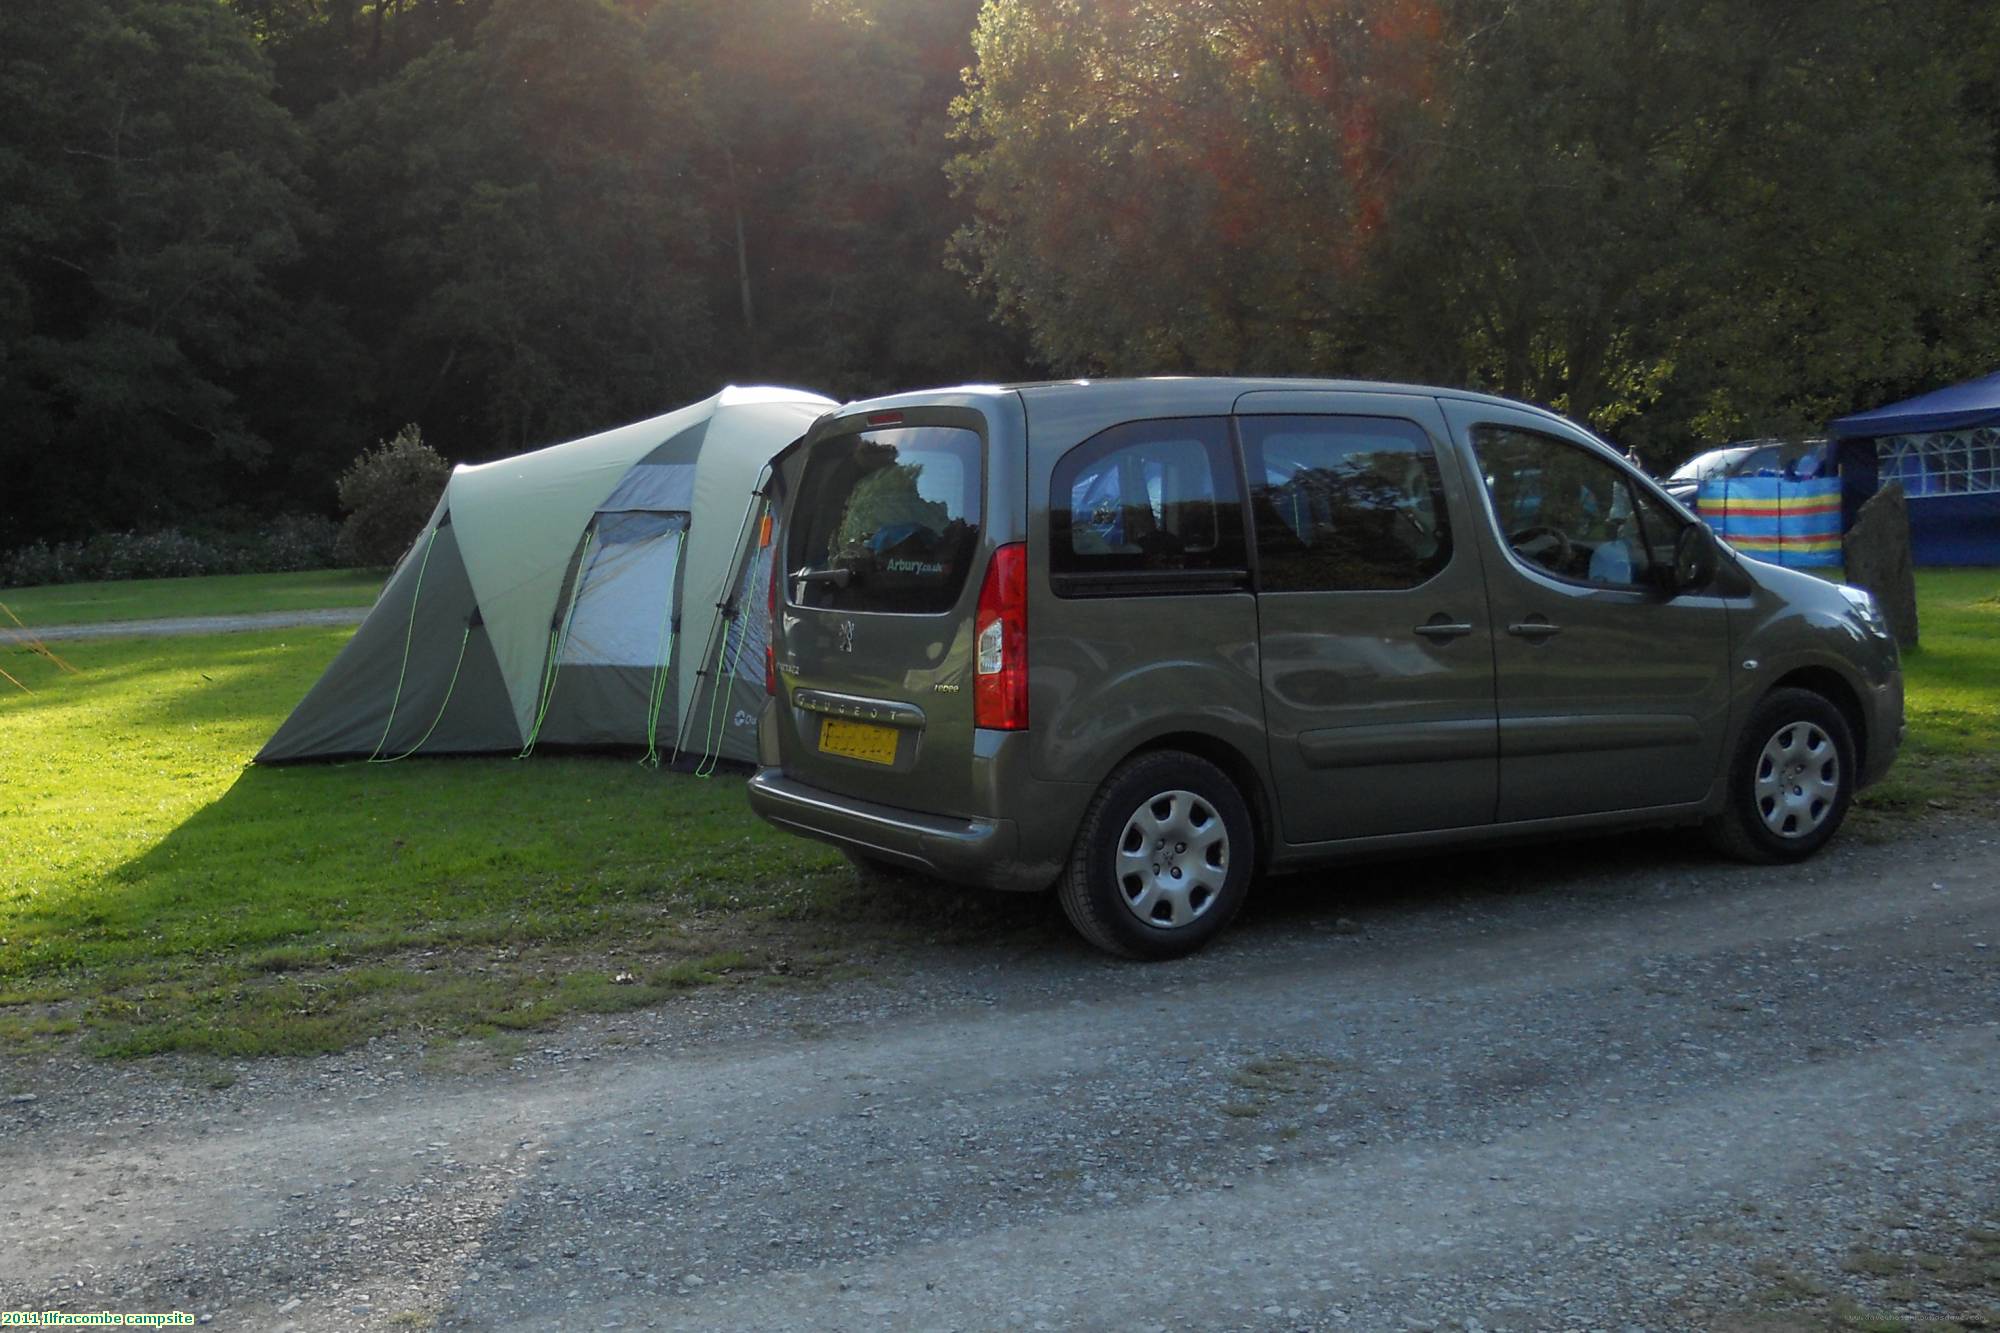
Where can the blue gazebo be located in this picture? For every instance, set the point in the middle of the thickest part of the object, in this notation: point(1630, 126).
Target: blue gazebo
point(1944, 446)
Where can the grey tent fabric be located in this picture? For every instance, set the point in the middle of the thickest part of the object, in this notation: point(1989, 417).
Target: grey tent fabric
point(729, 693)
point(419, 671)
point(563, 597)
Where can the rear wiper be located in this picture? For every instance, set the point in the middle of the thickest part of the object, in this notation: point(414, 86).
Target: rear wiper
point(839, 577)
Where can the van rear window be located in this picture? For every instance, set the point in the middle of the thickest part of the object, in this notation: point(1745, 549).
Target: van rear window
point(886, 520)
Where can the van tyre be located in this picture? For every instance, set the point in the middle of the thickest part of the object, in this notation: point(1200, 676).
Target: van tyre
point(1163, 859)
point(1790, 782)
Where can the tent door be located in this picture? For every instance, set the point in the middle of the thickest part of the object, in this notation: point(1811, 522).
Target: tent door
point(626, 590)
point(611, 681)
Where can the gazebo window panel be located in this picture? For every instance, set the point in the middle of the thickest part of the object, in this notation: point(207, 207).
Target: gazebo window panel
point(1964, 462)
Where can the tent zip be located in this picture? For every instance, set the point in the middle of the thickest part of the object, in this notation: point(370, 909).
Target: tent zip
point(409, 634)
point(725, 622)
point(711, 741)
point(558, 637)
point(663, 660)
point(450, 685)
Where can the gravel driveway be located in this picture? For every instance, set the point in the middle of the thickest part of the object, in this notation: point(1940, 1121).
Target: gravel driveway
point(1615, 1085)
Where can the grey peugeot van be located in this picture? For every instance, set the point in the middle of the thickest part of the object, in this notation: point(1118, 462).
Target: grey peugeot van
point(1141, 641)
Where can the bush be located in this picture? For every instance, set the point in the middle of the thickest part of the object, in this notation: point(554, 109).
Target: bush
point(293, 542)
point(388, 493)
point(282, 544)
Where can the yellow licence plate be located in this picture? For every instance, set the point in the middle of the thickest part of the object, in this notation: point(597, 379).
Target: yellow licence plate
point(857, 740)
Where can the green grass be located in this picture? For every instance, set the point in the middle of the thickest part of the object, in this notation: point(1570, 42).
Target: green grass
point(222, 595)
point(158, 895)
point(1951, 682)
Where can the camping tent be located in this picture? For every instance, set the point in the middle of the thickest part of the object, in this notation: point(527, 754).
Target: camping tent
point(1944, 446)
point(596, 593)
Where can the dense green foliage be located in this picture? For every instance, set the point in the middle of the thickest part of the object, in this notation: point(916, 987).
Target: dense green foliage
point(245, 237)
point(239, 239)
point(276, 545)
point(388, 494)
point(153, 190)
point(1671, 217)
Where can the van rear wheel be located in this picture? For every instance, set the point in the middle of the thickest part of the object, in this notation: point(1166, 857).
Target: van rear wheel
point(1163, 859)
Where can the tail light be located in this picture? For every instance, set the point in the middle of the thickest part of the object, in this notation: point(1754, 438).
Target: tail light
point(771, 626)
point(1000, 685)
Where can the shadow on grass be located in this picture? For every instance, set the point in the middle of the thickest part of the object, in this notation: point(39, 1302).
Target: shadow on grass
point(309, 909)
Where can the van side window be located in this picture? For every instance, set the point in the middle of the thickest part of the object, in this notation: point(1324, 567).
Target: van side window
point(1569, 513)
point(1345, 504)
point(1143, 498)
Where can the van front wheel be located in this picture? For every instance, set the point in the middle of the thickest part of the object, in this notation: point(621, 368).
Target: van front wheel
point(1791, 781)
point(1163, 859)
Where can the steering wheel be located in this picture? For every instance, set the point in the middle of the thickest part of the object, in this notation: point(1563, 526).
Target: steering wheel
point(1546, 546)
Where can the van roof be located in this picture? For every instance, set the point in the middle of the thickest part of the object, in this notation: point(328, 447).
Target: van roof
point(1187, 393)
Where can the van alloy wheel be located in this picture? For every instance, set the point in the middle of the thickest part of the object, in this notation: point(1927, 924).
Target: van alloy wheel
point(1798, 780)
point(1173, 859)
point(1789, 782)
point(1163, 857)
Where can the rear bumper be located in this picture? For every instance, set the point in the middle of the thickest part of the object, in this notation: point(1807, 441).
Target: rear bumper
point(983, 852)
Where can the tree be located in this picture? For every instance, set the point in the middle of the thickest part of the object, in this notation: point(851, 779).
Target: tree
point(153, 189)
point(324, 49)
point(821, 131)
point(1719, 215)
point(1718, 212)
point(1187, 187)
point(388, 493)
point(523, 249)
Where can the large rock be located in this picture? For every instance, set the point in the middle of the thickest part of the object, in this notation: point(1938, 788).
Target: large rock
point(1877, 552)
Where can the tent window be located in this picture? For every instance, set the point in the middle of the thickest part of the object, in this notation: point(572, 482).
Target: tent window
point(1958, 462)
point(624, 589)
point(655, 487)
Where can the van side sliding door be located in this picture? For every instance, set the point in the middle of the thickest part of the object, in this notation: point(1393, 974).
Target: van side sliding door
point(1377, 647)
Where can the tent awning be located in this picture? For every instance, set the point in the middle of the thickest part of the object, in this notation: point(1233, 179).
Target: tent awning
point(1957, 407)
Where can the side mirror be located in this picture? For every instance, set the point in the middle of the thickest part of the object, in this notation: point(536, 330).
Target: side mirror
point(1695, 559)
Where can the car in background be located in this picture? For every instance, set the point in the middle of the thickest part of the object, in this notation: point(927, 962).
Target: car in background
point(1748, 458)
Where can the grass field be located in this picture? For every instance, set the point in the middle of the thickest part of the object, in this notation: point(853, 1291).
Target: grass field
point(157, 895)
point(1952, 702)
point(223, 595)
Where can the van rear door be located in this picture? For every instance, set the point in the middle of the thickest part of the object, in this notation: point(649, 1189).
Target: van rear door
point(884, 546)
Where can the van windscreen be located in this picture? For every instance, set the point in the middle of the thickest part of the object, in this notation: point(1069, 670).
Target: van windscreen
point(886, 520)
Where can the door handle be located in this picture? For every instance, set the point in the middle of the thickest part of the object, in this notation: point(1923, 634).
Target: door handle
point(1440, 631)
point(1533, 629)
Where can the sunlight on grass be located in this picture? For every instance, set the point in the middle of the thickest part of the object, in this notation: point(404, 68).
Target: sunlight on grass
point(188, 902)
point(1951, 698)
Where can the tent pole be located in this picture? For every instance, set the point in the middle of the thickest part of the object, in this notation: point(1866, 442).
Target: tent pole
point(721, 621)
